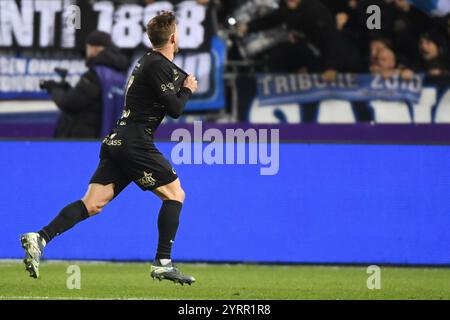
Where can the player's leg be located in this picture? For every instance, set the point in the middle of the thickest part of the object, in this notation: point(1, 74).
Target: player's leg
point(95, 199)
point(153, 172)
point(172, 191)
point(106, 183)
point(92, 203)
point(172, 196)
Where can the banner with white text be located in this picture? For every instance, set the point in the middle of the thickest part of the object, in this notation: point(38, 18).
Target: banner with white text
point(37, 36)
point(349, 99)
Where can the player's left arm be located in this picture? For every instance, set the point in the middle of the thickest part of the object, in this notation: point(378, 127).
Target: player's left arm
point(163, 85)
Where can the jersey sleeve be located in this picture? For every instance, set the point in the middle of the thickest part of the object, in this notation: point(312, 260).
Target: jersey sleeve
point(162, 83)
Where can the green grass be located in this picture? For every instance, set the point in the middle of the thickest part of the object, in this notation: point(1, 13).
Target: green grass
point(132, 281)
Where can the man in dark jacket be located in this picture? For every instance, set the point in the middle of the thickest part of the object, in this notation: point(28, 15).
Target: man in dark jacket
point(83, 111)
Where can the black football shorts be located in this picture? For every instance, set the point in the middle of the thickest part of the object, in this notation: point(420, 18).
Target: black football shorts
point(129, 154)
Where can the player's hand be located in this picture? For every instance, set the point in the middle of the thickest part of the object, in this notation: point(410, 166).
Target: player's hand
point(191, 83)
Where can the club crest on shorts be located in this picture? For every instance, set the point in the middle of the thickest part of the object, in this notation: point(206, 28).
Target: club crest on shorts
point(146, 181)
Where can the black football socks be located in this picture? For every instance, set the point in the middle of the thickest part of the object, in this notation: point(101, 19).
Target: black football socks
point(168, 221)
point(69, 216)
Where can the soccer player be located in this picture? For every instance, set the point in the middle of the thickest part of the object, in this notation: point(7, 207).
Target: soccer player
point(156, 87)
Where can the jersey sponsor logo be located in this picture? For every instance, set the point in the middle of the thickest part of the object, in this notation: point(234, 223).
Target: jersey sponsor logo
point(169, 86)
point(114, 143)
point(147, 180)
point(110, 141)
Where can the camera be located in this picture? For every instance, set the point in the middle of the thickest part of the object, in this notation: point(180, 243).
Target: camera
point(49, 84)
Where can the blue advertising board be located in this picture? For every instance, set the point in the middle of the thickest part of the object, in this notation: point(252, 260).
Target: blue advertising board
point(385, 204)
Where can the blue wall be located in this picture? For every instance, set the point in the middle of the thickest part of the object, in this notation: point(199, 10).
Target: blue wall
point(328, 204)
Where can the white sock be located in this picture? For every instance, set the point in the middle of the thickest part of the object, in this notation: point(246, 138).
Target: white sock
point(165, 261)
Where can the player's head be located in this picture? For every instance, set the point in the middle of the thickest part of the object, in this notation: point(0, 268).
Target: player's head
point(96, 42)
point(162, 31)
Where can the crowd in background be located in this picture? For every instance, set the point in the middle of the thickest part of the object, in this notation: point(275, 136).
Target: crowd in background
point(301, 36)
point(332, 35)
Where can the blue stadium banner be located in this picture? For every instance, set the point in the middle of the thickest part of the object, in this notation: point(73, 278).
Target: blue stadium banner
point(305, 88)
point(35, 38)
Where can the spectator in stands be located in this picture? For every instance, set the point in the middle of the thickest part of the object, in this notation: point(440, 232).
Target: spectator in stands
point(376, 45)
point(383, 60)
point(433, 54)
point(345, 12)
point(315, 45)
point(385, 63)
point(332, 34)
point(409, 22)
point(83, 113)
